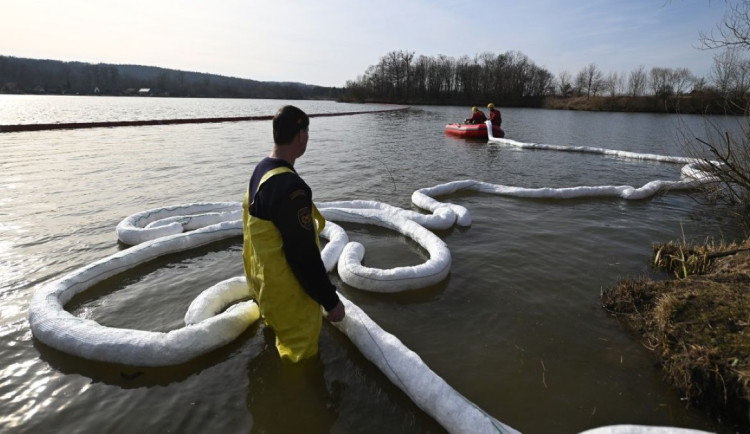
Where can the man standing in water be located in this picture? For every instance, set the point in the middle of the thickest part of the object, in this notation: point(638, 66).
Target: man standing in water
point(281, 251)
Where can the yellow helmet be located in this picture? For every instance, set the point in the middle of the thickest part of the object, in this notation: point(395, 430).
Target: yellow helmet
point(490, 106)
point(473, 109)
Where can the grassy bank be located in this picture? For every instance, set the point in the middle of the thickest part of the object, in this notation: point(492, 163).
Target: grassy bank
point(696, 324)
point(688, 104)
point(698, 103)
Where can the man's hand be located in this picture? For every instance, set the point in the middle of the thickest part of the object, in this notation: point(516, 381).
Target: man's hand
point(337, 313)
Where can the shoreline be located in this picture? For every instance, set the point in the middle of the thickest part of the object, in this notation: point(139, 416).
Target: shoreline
point(700, 103)
point(696, 324)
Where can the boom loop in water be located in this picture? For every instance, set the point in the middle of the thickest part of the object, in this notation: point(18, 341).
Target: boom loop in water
point(210, 324)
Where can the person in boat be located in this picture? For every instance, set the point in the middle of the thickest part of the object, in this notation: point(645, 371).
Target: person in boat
point(477, 117)
point(495, 117)
point(280, 252)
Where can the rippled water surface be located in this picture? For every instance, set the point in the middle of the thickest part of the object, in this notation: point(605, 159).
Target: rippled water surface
point(517, 327)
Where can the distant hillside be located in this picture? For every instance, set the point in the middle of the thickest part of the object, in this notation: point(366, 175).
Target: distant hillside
point(25, 76)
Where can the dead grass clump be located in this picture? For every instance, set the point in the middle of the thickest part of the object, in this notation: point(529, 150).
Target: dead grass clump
point(697, 325)
point(682, 259)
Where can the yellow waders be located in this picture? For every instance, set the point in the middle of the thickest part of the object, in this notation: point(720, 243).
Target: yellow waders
point(285, 306)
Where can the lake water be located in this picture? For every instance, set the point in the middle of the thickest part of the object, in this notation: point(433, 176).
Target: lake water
point(517, 327)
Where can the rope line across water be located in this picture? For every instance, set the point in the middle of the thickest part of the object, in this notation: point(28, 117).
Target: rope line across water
point(140, 123)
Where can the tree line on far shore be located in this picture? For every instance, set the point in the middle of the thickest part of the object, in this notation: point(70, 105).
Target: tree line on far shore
point(508, 79)
point(37, 76)
point(511, 79)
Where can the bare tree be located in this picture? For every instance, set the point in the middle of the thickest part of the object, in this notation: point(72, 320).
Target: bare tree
point(581, 84)
point(734, 29)
point(660, 81)
point(732, 153)
point(682, 78)
point(730, 75)
point(668, 81)
point(419, 77)
point(722, 71)
point(742, 79)
point(700, 85)
point(565, 84)
point(613, 84)
point(620, 85)
point(594, 79)
point(589, 80)
point(637, 81)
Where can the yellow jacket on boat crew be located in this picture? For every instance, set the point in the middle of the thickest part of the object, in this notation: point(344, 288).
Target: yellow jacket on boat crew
point(282, 257)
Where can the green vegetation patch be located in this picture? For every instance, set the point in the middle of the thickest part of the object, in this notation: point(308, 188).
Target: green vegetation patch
point(697, 325)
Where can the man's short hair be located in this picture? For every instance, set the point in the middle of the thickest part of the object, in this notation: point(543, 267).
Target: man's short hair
point(287, 123)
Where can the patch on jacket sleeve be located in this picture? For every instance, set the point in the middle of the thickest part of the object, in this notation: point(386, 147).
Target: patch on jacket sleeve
point(297, 193)
point(304, 216)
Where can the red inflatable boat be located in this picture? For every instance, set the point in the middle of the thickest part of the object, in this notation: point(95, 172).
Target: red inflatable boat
point(473, 130)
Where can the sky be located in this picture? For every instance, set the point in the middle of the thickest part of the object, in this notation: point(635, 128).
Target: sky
point(328, 42)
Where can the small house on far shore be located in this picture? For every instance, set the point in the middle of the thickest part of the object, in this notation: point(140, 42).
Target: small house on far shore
point(144, 91)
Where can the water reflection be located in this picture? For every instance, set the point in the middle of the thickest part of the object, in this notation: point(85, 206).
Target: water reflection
point(134, 377)
point(289, 397)
point(519, 311)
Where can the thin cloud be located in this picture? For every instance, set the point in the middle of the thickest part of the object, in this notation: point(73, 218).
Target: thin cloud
point(328, 42)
